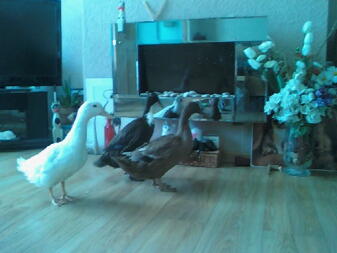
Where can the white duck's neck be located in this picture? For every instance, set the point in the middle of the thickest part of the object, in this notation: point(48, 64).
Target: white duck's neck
point(78, 133)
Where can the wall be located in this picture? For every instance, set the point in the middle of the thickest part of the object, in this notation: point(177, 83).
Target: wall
point(72, 42)
point(285, 22)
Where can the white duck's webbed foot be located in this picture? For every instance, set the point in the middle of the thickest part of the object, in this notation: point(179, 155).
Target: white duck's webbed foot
point(65, 197)
point(58, 202)
point(162, 186)
point(68, 198)
point(55, 201)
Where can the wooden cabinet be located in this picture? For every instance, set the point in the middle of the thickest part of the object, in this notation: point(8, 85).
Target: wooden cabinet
point(27, 113)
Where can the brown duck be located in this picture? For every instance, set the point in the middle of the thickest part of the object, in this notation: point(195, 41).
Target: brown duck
point(160, 155)
point(132, 136)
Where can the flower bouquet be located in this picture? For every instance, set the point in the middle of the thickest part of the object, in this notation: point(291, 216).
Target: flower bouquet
point(302, 97)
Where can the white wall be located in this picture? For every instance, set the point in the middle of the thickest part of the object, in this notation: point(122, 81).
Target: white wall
point(72, 40)
point(285, 19)
point(86, 26)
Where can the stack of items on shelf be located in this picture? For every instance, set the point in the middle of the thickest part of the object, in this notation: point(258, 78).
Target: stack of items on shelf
point(205, 150)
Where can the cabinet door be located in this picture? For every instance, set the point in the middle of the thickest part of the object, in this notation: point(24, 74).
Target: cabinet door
point(37, 115)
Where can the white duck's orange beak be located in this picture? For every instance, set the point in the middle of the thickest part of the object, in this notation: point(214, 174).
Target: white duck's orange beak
point(105, 114)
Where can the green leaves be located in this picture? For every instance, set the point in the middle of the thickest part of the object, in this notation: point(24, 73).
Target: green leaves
point(70, 98)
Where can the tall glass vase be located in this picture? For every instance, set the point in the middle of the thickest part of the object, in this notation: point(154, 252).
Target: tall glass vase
point(298, 152)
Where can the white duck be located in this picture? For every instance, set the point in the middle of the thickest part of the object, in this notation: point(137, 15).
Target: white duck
point(59, 161)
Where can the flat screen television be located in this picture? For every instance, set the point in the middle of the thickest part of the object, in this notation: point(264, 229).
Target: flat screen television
point(30, 42)
point(207, 67)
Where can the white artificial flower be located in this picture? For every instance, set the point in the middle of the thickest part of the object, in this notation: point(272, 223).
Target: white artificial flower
point(250, 53)
point(273, 103)
point(307, 27)
point(270, 64)
point(275, 98)
point(291, 102)
point(306, 50)
point(307, 98)
point(299, 75)
point(287, 116)
point(313, 117)
point(269, 107)
point(261, 57)
point(308, 38)
point(254, 64)
point(324, 78)
point(282, 116)
point(295, 85)
point(265, 46)
point(300, 64)
point(304, 109)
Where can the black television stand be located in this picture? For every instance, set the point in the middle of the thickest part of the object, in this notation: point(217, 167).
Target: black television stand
point(34, 104)
point(15, 90)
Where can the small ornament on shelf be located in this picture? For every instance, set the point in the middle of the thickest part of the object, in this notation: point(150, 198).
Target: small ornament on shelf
point(56, 122)
point(121, 16)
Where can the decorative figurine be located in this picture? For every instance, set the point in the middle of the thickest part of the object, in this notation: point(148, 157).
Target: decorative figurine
point(121, 16)
point(57, 127)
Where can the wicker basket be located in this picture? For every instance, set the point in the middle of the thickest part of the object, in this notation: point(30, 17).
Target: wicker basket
point(208, 159)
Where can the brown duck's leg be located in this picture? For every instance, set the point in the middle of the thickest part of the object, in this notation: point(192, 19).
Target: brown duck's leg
point(65, 196)
point(55, 201)
point(162, 186)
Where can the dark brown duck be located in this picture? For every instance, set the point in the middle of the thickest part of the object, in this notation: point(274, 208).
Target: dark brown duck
point(132, 136)
point(160, 155)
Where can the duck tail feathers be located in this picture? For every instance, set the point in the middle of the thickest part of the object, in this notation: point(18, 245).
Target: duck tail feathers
point(31, 172)
point(20, 161)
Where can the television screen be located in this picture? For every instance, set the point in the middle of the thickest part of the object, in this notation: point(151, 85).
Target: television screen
point(30, 42)
point(206, 68)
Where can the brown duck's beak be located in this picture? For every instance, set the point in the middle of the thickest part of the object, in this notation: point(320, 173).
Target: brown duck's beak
point(105, 114)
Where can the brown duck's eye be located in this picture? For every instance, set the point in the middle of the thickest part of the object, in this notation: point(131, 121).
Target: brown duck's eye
point(94, 105)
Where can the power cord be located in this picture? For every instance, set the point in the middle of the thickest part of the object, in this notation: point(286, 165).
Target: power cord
point(107, 97)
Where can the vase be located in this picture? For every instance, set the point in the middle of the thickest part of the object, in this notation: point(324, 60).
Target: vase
point(298, 152)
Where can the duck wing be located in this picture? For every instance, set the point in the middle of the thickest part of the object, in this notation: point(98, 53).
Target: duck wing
point(131, 137)
point(160, 148)
point(154, 159)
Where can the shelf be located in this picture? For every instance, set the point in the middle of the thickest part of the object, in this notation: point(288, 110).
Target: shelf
point(24, 144)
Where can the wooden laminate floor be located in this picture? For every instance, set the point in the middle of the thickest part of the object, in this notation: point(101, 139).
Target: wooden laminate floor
point(215, 210)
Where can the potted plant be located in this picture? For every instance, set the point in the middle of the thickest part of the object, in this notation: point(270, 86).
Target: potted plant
point(301, 98)
point(70, 101)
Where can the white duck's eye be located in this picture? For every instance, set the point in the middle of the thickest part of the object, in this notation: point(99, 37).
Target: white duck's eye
point(94, 105)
